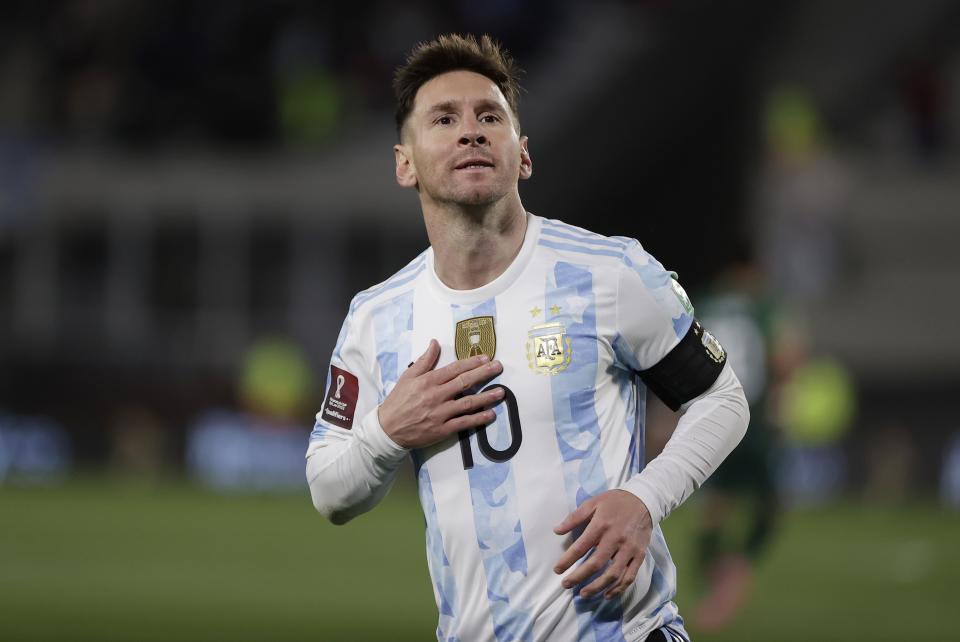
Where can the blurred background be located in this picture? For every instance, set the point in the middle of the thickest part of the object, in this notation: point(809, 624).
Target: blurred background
point(191, 193)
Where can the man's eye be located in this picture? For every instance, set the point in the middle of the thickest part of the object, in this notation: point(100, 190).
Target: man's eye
point(444, 120)
point(489, 118)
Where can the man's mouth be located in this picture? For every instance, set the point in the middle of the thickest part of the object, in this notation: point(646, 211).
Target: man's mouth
point(474, 163)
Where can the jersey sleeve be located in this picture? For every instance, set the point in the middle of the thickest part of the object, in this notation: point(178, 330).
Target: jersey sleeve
point(351, 389)
point(710, 428)
point(351, 461)
point(653, 312)
point(658, 337)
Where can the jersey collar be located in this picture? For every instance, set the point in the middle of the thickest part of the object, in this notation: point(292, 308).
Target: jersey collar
point(499, 284)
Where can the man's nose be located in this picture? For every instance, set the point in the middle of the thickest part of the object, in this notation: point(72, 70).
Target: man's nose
point(471, 136)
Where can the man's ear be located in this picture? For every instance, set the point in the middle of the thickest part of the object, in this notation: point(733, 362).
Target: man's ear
point(526, 163)
point(406, 172)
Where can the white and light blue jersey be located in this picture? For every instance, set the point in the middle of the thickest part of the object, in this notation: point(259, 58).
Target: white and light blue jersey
point(573, 319)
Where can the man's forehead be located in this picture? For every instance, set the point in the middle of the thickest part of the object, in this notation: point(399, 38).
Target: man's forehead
point(458, 87)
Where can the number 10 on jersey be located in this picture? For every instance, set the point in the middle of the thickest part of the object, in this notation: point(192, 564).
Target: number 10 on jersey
point(483, 442)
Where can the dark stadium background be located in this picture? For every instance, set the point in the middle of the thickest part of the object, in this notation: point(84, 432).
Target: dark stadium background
point(180, 181)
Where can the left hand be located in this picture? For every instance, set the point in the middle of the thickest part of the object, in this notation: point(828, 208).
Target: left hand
point(619, 527)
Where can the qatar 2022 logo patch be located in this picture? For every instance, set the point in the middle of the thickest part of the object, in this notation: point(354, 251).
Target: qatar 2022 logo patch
point(342, 395)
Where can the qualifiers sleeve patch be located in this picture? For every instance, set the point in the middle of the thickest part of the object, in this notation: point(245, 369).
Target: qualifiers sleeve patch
point(341, 400)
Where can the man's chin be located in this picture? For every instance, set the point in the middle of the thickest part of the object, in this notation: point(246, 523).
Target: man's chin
point(472, 197)
point(475, 197)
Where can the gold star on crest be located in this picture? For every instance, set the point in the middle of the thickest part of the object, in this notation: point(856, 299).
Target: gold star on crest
point(535, 311)
point(554, 309)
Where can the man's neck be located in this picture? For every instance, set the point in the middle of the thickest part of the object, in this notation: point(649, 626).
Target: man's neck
point(472, 247)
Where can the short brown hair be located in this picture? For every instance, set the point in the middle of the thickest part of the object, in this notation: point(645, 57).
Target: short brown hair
point(454, 52)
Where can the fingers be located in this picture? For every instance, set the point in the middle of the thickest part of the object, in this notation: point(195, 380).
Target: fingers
point(617, 565)
point(426, 361)
point(610, 575)
point(592, 565)
point(470, 378)
point(618, 531)
point(628, 577)
point(583, 513)
point(450, 371)
point(464, 422)
point(587, 540)
point(471, 403)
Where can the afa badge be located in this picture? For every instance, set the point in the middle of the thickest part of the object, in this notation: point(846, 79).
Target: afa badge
point(475, 336)
point(549, 349)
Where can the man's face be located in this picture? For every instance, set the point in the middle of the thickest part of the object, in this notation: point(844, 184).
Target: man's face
point(460, 143)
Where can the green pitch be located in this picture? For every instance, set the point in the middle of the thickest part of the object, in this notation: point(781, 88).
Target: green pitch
point(101, 560)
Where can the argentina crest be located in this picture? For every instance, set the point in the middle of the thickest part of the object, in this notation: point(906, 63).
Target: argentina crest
point(549, 349)
point(475, 336)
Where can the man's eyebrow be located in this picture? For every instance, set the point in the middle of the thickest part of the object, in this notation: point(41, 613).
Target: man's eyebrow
point(447, 105)
point(452, 105)
point(490, 105)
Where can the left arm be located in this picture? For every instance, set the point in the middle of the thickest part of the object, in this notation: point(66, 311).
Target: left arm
point(709, 429)
point(683, 364)
point(620, 522)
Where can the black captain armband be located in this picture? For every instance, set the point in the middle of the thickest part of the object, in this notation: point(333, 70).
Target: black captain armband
point(688, 370)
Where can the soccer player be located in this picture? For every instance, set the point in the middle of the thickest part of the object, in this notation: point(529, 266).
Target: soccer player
point(510, 361)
